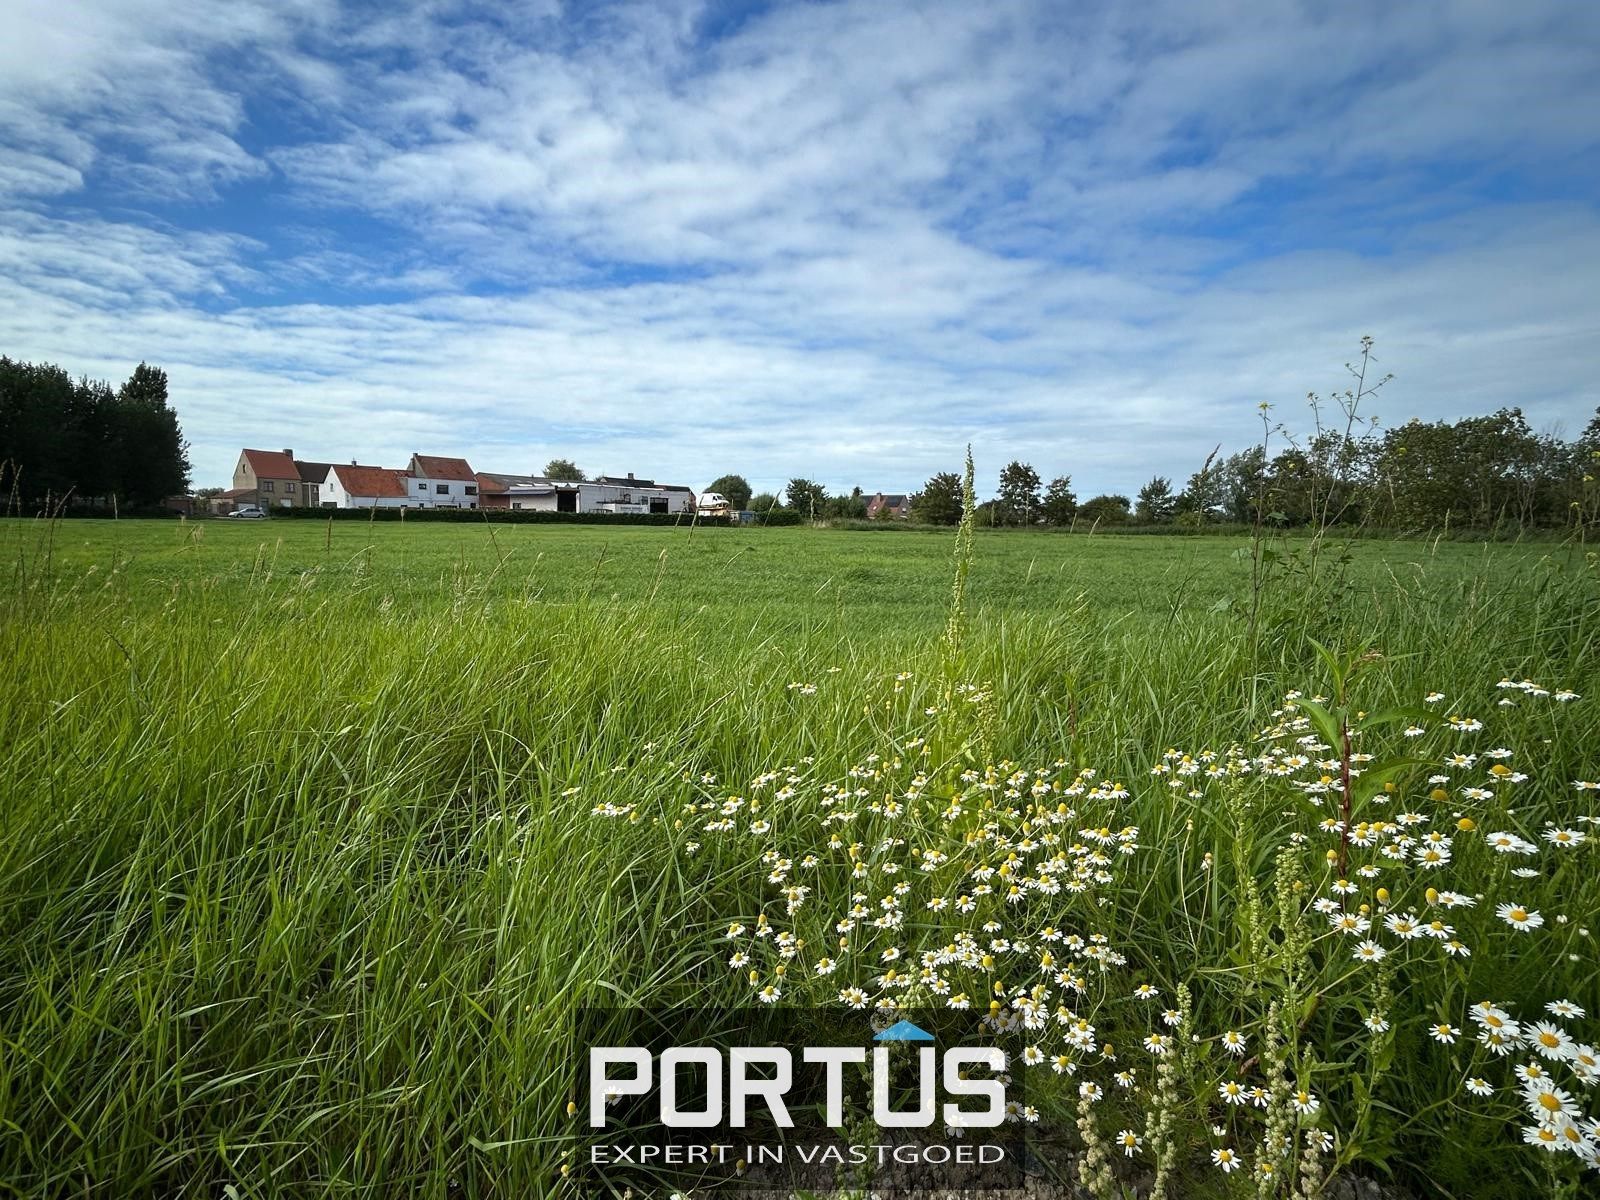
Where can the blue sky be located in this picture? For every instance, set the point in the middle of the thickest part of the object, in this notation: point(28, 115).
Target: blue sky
point(839, 240)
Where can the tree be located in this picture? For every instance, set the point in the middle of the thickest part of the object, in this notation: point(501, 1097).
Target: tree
point(939, 501)
point(763, 503)
point(154, 456)
point(1060, 502)
point(1105, 510)
point(735, 487)
point(850, 508)
point(805, 497)
point(60, 438)
point(1017, 502)
point(1156, 501)
point(565, 470)
point(1206, 491)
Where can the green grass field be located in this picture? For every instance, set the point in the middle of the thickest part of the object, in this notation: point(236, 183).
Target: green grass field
point(314, 840)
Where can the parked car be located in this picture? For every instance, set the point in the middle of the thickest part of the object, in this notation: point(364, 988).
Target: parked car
point(249, 512)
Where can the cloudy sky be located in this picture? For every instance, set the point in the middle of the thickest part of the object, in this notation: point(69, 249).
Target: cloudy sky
point(838, 240)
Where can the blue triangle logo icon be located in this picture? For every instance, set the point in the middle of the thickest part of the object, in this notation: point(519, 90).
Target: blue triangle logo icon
point(904, 1031)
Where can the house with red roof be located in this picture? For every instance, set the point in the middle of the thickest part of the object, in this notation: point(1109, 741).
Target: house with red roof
point(275, 479)
point(355, 486)
point(436, 482)
point(268, 478)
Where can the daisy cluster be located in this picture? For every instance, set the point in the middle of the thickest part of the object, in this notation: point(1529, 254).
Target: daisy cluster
point(915, 879)
point(1552, 1060)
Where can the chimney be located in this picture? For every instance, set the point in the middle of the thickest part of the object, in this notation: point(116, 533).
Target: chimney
point(288, 453)
point(630, 474)
point(352, 462)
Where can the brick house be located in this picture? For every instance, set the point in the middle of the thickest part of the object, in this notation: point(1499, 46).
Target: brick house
point(889, 504)
point(269, 478)
point(276, 479)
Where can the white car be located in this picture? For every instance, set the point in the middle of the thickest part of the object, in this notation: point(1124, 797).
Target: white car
point(249, 512)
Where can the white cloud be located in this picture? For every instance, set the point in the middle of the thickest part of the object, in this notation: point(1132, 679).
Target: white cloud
point(841, 242)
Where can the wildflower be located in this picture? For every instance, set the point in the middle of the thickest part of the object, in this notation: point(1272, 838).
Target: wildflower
point(1550, 1105)
point(1305, 1103)
point(1369, 951)
point(1233, 1042)
point(1547, 1040)
point(853, 997)
point(1089, 1090)
point(1444, 1032)
point(1542, 1135)
point(1129, 1141)
point(1564, 1008)
point(1519, 918)
point(1404, 927)
point(1479, 1087)
point(1146, 992)
point(1226, 1159)
point(1233, 1092)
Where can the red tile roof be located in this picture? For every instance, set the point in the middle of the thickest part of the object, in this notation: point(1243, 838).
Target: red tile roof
point(385, 482)
point(430, 467)
point(271, 464)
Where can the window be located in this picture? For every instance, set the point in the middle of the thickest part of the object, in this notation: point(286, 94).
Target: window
point(266, 485)
point(442, 489)
point(289, 487)
point(472, 489)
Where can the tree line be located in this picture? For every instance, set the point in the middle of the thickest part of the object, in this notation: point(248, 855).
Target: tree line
point(67, 441)
point(1480, 472)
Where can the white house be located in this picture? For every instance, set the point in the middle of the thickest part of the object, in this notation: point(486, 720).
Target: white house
point(365, 487)
point(441, 482)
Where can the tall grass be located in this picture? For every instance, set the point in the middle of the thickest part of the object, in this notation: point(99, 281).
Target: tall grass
point(300, 882)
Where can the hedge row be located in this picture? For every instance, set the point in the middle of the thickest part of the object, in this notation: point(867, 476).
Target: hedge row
point(500, 516)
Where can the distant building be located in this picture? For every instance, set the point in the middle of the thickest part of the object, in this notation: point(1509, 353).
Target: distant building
point(889, 504)
point(441, 482)
point(603, 494)
point(276, 479)
point(355, 486)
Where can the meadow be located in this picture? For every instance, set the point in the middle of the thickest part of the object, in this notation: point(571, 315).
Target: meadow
point(312, 840)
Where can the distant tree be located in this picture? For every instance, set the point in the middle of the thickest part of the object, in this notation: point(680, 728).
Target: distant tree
point(852, 507)
point(1106, 510)
point(1206, 493)
point(735, 487)
point(1242, 486)
point(806, 497)
point(1156, 502)
point(763, 503)
point(60, 438)
point(155, 458)
point(1060, 503)
point(1017, 502)
point(565, 470)
point(939, 501)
